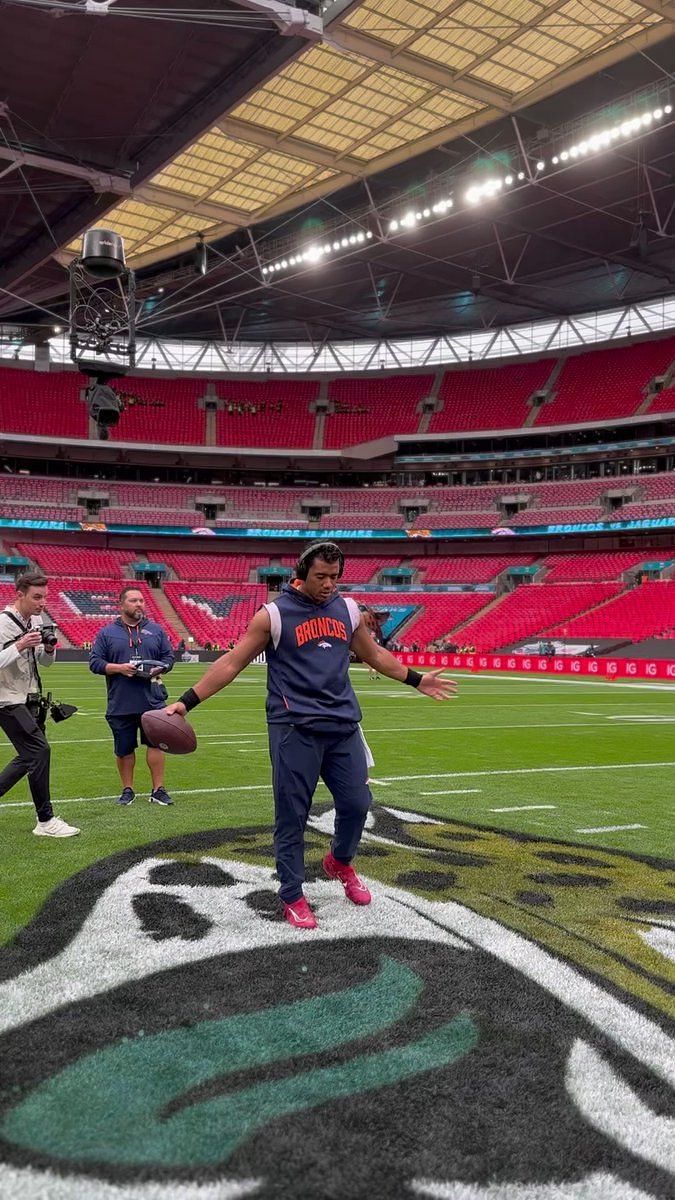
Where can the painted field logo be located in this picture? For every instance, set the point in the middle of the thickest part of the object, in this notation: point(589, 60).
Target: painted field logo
point(179, 1032)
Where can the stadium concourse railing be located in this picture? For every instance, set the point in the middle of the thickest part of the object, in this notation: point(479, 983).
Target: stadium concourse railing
point(537, 664)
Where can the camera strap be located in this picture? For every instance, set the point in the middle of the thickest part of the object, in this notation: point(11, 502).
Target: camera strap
point(31, 653)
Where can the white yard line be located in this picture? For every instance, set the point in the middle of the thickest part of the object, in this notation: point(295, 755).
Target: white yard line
point(454, 792)
point(248, 787)
point(609, 828)
point(526, 771)
point(256, 787)
point(521, 808)
point(233, 739)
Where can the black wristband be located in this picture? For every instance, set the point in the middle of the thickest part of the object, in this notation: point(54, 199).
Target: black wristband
point(413, 678)
point(190, 699)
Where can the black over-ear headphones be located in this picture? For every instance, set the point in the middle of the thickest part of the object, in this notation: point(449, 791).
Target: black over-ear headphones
point(314, 551)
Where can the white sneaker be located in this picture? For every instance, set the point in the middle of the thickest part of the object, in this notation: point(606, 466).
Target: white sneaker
point(55, 827)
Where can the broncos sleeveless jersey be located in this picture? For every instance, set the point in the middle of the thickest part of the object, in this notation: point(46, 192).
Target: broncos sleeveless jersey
point(308, 660)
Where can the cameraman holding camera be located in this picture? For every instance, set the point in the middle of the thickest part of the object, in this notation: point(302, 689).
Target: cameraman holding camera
point(25, 642)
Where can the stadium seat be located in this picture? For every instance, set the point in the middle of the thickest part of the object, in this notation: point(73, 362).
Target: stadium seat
point(77, 561)
point(80, 606)
point(365, 409)
point(489, 397)
point(642, 612)
point(532, 609)
point(215, 614)
point(439, 612)
point(602, 384)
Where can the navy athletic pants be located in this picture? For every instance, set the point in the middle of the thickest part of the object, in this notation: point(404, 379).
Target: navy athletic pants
point(300, 757)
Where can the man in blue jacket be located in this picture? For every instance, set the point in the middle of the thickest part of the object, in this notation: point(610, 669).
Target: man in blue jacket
point(120, 647)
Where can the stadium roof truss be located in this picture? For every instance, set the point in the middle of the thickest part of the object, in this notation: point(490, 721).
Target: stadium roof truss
point(357, 89)
point(369, 85)
point(333, 357)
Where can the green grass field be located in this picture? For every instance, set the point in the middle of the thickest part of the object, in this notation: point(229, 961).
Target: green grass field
point(494, 1026)
point(593, 755)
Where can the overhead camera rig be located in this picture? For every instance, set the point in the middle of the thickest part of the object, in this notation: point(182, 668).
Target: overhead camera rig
point(102, 300)
point(102, 322)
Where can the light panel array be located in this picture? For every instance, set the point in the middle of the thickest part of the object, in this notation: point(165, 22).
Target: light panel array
point(476, 193)
point(317, 252)
point(607, 137)
point(488, 189)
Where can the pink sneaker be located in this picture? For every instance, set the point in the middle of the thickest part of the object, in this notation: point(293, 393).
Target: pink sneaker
point(300, 915)
point(355, 889)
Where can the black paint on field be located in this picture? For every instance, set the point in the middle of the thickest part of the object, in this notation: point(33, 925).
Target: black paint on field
point(661, 908)
point(562, 880)
point(540, 899)
point(427, 881)
point(190, 874)
point(165, 917)
point(571, 860)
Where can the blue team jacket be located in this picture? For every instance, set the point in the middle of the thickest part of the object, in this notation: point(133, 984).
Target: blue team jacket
point(308, 660)
point(114, 644)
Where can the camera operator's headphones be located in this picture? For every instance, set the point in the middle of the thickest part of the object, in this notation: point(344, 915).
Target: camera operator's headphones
point(314, 551)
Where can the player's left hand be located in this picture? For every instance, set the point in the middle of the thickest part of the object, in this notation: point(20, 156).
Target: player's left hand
point(438, 689)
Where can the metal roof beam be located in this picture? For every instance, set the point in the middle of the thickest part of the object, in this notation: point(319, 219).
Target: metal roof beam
point(197, 115)
point(100, 181)
point(152, 193)
point(599, 60)
point(257, 135)
point(367, 47)
point(291, 21)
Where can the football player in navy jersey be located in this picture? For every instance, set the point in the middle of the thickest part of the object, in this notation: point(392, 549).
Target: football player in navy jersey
point(313, 715)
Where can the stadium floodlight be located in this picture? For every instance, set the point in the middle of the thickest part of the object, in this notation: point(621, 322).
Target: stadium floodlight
point(316, 253)
point(601, 139)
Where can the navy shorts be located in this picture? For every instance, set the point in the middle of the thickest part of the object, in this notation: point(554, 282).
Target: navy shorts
point(126, 731)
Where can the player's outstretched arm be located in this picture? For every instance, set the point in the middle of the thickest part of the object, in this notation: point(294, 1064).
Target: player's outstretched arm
point(229, 665)
point(384, 663)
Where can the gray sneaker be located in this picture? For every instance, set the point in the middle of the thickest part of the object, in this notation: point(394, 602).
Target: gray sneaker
point(160, 796)
point(127, 796)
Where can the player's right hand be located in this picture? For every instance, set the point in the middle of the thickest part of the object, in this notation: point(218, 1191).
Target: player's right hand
point(29, 640)
point(177, 707)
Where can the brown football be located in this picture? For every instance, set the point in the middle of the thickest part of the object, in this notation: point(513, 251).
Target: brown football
point(168, 731)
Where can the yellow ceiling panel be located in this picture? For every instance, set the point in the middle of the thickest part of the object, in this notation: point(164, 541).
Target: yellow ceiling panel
point(521, 11)
point(355, 104)
point(408, 12)
point(448, 106)
point(269, 120)
point(499, 76)
point(327, 138)
point(372, 24)
point(456, 53)
point(546, 48)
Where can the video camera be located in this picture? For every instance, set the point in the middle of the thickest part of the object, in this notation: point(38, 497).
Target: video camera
point(40, 707)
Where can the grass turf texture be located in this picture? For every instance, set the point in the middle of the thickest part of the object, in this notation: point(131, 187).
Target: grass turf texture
point(491, 1024)
point(493, 747)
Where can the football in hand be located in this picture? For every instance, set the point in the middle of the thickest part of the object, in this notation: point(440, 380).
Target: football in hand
point(168, 732)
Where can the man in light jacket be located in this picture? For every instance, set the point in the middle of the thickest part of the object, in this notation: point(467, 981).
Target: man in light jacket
point(21, 650)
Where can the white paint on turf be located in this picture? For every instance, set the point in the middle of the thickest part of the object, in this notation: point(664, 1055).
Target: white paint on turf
point(521, 808)
point(597, 1186)
point(27, 1183)
point(609, 828)
point(611, 1106)
point(454, 792)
